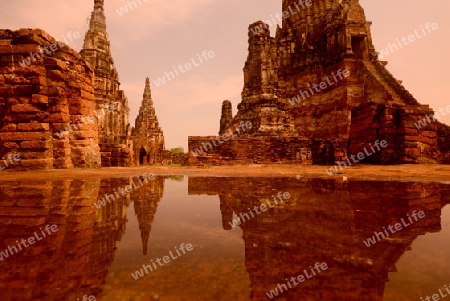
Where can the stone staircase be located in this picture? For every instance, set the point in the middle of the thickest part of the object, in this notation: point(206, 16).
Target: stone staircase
point(398, 93)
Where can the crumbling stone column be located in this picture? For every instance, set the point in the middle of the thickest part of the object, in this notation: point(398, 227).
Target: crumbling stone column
point(226, 116)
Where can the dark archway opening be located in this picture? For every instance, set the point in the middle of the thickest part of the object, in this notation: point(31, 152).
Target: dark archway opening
point(142, 154)
point(359, 47)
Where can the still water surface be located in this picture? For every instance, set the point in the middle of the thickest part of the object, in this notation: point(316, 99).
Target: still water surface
point(96, 251)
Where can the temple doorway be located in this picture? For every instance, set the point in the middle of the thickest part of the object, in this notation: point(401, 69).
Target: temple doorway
point(142, 155)
point(359, 47)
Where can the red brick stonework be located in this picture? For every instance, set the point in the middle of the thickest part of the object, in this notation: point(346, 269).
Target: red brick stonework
point(47, 107)
point(319, 81)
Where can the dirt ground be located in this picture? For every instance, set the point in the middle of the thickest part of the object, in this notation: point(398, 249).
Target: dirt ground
point(422, 172)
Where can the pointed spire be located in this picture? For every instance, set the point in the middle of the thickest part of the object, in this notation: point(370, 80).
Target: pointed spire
point(147, 131)
point(145, 234)
point(147, 90)
point(98, 19)
point(97, 29)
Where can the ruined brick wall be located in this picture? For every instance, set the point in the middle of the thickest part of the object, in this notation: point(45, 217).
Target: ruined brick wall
point(260, 150)
point(248, 150)
point(181, 159)
point(324, 114)
point(398, 126)
point(443, 133)
point(415, 145)
point(47, 107)
point(366, 127)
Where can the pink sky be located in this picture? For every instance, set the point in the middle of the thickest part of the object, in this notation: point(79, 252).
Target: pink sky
point(159, 34)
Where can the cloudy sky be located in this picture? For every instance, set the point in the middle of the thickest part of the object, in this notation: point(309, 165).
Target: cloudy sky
point(159, 34)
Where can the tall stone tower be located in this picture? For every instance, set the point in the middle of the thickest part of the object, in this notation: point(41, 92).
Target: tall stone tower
point(148, 138)
point(112, 105)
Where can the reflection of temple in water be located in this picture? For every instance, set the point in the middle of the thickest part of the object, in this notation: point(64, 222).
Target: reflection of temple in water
point(324, 221)
point(146, 199)
point(74, 261)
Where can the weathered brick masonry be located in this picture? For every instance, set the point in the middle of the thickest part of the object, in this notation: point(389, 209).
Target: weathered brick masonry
point(39, 102)
point(249, 150)
point(294, 91)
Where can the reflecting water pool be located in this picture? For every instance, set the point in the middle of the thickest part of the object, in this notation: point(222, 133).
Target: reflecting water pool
point(223, 238)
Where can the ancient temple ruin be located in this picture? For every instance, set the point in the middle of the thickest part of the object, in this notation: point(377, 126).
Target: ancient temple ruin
point(112, 106)
point(148, 138)
point(317, 93)
point(64, 109)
